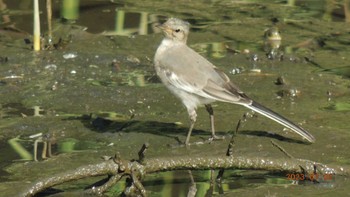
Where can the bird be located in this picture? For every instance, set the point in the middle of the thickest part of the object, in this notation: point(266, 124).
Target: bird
point(196, 81)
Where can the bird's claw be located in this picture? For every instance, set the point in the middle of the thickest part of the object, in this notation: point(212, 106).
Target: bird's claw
point(215, 137)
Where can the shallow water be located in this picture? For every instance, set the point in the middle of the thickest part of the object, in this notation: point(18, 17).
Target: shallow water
point(99, 94)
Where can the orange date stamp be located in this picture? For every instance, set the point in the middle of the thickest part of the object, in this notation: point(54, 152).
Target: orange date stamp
point(311, 177)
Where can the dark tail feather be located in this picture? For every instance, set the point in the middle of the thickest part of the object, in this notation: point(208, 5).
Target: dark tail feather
point(280, 119)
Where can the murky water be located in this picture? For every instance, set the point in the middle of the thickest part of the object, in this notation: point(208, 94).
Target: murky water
point(96, 92)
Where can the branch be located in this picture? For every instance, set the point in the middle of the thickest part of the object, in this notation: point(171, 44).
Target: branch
point(239, 162)
point(118, 168)
point(105, 168)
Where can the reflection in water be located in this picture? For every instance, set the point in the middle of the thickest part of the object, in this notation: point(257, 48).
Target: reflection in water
point(47, 141)
point(4, 18)
point(128, 23)
point(70, 9)
point(132, 23)
point(140, 23)
point(19, 149)
point(122, 27)
point(330, 10)
point(211, 49)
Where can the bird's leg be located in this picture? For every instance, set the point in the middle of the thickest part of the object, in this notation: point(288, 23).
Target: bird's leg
point(193, 117)
point(211, 116)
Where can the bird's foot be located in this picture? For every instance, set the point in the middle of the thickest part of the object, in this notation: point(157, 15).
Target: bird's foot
point(215, 137)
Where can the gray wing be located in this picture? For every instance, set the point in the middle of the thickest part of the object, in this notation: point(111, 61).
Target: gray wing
point(187, 70)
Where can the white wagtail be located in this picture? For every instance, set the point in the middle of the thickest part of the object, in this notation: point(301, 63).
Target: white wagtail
point(196, 81)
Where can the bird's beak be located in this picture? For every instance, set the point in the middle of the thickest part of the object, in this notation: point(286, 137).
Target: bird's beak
point(166, 29)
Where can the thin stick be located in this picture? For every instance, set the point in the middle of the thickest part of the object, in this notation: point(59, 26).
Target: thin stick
point(229, 152)
point(142, 152)
point(282, 149)
point(49, 19)
point(36, 32)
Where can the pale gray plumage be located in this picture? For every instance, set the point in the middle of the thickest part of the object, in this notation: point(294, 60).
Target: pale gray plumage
point(196, 81)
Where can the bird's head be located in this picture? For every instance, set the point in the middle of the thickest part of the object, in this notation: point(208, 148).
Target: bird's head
point(175, 29)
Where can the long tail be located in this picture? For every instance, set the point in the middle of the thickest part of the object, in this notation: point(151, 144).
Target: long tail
point(280, 119)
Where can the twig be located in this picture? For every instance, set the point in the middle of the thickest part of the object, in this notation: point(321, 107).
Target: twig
point(281, 149)
point(142, 152)
point(49, 21)
point(238, 125)
point(229, 153)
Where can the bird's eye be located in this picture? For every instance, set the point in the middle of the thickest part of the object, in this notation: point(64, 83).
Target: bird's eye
point(177, 30)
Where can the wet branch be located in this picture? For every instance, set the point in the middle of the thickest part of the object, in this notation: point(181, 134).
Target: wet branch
point(116, 168)
point(105, 168)
point(238, 162)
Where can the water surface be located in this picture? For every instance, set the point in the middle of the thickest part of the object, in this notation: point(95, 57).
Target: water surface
point(98, 92)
